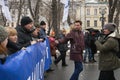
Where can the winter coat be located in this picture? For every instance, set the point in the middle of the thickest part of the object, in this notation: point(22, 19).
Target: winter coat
point(87, 38)
point(107, 57)
point(92, 44)
point(76, 39)
point(24, 36)
point(42, 33)
point(13, 47)
point(63, 47)
point(52, 46)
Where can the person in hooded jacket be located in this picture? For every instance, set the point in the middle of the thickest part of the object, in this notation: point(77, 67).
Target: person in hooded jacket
point(108, 46)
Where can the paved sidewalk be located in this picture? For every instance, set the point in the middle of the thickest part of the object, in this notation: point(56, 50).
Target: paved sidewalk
point(90, 71)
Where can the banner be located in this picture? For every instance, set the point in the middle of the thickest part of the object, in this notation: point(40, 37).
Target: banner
point(48, 60)
point(28, 64)
point(5, 10)
point(66, 10)
point(64, 1)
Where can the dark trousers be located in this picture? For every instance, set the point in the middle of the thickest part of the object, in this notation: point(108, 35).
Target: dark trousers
point(106, 75)
point(61, 57)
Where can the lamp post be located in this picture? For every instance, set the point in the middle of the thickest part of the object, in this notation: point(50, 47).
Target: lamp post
point(102, 18)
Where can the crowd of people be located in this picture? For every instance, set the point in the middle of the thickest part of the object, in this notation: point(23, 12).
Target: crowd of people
point(28, 33)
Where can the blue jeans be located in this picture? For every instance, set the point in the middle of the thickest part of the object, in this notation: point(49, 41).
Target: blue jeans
point(77, 70)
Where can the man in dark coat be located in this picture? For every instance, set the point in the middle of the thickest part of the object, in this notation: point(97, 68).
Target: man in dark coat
point(25, 32)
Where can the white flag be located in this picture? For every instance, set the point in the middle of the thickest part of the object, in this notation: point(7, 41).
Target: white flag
point(5, 10)
point(66, 10)
point(2, 2)
point(63, 1)
point(6, 13)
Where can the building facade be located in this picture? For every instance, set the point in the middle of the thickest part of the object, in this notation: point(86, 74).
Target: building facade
point(93, 14)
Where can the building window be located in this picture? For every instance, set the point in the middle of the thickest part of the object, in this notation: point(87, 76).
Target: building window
point(88, 23)
point(88, 11)
point(95, 23)
point(95, 11)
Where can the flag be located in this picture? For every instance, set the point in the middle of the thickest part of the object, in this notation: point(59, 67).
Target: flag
point(5, 10)
point(64, 1)
point(66, 9)
point(1, 2)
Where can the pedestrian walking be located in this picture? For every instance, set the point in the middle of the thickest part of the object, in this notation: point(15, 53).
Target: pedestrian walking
point(108, 46)
point(63, 47)
point(88, 52)
point(76, 38)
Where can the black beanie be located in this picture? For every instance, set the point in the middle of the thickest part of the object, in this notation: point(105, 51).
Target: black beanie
point(25, 20)
point(42, 23)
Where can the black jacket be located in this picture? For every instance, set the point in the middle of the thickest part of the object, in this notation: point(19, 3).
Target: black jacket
point(13, 47)
point(24, 36)
point(62, 46)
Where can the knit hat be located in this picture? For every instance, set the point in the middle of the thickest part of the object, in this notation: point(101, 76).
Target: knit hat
point(110, 26)
point(25, 20)
point(42, 23)
point(3, 34)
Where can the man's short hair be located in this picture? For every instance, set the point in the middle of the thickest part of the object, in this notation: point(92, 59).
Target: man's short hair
point(78, 21)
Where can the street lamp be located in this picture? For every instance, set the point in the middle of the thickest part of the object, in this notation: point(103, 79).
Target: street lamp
point(102, 11)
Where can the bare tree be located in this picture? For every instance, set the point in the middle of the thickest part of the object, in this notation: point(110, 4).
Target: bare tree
point(114, 12)
point(112, 7)
point(21, 3)
point(117, 15)
point(54, 17)
point(3, 19)
point(34, 10)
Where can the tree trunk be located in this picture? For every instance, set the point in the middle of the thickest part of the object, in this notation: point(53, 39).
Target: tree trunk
point(112, 7)
point(117, 17)
point(34, 11)
point(54, 17)
point(68, 20)
point(58, 15)
point(20, 10)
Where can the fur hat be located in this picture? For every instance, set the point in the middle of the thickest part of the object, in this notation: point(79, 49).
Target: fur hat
point(25, 20)
point(3, 34)
point(110, 26)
